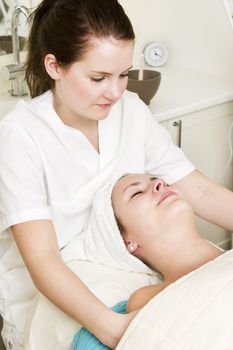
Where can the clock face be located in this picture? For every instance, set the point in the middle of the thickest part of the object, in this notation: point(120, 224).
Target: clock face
point(155, 54)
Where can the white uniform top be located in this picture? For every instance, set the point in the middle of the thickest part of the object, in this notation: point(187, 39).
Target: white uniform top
point(51, 171)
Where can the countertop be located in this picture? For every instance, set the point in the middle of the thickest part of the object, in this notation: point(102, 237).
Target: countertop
point(183, 91)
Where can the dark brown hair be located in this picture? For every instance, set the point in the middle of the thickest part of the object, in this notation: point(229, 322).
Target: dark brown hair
point(64, 28)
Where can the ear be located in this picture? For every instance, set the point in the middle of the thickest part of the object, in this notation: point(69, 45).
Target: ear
point(131, 246)
point(51, 66)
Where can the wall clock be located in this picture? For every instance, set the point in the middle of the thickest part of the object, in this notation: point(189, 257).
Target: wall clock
point(155, 54)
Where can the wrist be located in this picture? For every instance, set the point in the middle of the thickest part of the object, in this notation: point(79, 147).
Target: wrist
point(115, 326)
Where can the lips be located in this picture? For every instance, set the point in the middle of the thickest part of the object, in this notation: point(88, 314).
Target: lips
point(105, 105)
point(165, 195)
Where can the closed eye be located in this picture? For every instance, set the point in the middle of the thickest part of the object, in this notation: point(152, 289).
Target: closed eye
point(97, 80)
point(136, 194)
point(124, 75)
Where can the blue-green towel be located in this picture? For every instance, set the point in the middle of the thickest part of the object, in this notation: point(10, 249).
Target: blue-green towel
point(84, 340)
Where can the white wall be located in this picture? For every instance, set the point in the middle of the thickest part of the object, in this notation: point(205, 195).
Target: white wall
point(144, 15)
point(197, 33)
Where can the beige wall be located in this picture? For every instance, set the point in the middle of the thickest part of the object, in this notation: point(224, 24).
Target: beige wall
point(145, 18)
point(197, 33)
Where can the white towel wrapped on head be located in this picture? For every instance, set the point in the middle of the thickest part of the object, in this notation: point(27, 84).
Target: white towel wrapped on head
point(102, 238)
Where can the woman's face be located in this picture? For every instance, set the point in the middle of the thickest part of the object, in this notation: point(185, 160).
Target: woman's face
point(145, 207)
point(89, 88)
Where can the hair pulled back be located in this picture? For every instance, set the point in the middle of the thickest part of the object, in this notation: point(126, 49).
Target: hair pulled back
point(64, 28)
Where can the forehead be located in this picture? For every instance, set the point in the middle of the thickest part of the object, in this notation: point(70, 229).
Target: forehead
point(108, 51)
point(105, 43)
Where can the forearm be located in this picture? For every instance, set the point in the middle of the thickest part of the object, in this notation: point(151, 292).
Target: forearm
point(64, 289)
point(209, 200)
point(38, 246)
point(60, 285)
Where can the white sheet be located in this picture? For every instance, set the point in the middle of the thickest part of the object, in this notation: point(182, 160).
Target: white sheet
point(48, 328)
point(194, 313)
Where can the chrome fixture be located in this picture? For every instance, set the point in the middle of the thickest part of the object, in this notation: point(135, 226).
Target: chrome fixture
point(15, 72)
point(14, 31)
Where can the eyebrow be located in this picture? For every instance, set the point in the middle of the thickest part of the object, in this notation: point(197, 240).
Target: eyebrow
point(133, 184)
point(108, 74)
point(136, 183)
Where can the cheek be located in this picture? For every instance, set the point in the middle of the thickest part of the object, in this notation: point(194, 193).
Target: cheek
point(123, 84)
point(79, 87)
point(139, 223)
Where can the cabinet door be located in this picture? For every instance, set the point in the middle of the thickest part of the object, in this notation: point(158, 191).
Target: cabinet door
point(203, 136)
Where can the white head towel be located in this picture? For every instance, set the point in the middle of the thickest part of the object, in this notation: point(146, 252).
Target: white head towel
point(103, 240)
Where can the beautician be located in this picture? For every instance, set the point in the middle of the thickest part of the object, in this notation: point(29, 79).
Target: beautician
point(80, 129)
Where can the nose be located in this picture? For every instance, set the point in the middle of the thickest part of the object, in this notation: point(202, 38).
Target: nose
point(158, 185)
point(114, 91)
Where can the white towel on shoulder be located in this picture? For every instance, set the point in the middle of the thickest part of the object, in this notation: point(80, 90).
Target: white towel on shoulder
point(102, 239)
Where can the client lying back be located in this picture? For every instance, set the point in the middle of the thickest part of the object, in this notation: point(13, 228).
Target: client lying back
point(158, 227)
point(141, 224)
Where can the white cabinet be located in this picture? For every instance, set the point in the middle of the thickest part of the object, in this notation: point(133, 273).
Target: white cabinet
point(203, 136)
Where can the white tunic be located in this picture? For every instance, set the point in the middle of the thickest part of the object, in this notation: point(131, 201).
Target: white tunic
point(51, 171)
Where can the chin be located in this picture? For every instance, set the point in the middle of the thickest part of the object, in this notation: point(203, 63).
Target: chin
point(101, 115)
point(181, 206)
point(172, 207)
point(182, 203)
point(104, 116)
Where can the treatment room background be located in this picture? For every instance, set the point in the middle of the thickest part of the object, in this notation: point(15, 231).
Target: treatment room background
point(195, 98)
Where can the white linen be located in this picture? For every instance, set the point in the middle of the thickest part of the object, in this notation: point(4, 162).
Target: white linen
point(51, 171)
point(194, 313)
point(48, 328)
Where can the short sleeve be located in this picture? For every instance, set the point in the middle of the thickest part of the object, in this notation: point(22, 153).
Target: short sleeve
point(22, 186)
point(163, 157)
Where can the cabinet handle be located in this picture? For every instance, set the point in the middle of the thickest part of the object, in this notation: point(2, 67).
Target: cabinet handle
point(178, 124)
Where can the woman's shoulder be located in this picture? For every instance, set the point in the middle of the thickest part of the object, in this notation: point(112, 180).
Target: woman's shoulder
point(45, 99)
point(25, 112)
point(133, 99)
point(144, 294)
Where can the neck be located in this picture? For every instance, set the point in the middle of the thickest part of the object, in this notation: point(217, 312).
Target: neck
point(180, 255)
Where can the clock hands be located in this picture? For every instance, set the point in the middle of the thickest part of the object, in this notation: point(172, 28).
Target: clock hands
point(155, 54)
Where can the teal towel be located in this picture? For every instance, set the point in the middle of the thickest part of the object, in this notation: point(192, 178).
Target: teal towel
point(84, 340)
